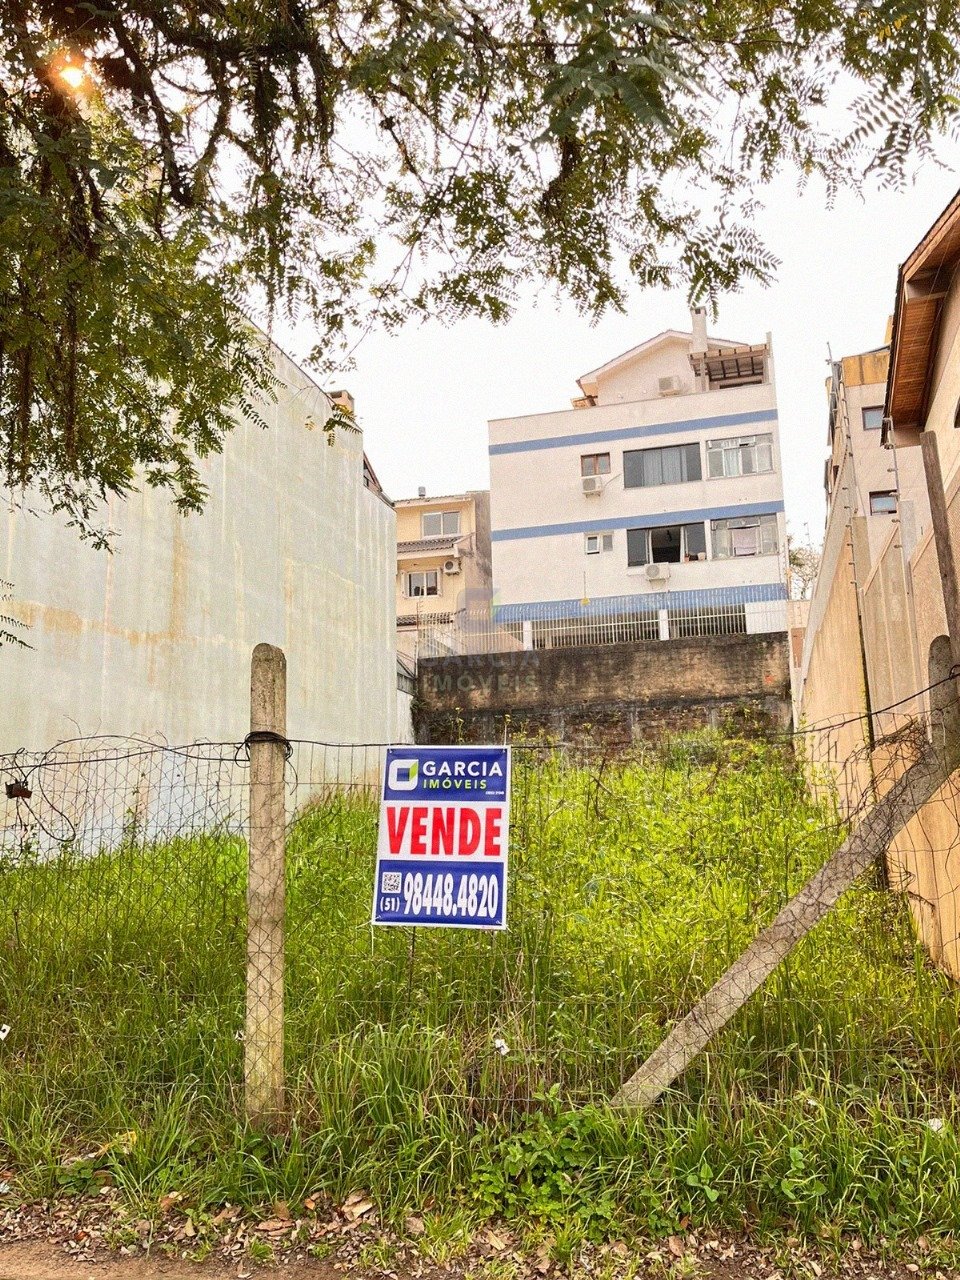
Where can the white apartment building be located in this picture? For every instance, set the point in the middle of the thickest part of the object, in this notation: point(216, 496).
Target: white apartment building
point(658, 499)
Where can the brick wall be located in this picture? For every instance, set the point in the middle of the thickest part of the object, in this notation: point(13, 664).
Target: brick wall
point(615, 692)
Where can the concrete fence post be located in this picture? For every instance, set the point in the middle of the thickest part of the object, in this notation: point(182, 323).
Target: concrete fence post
point(263, 1072)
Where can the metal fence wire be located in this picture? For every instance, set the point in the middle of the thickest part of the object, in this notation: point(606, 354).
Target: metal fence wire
point(637, 875)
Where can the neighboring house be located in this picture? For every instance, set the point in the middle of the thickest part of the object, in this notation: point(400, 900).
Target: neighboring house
point(878, 603)
point(868, 521)
point(657, 499)
point(295, 546)
point(443, 568)
point(877, 473)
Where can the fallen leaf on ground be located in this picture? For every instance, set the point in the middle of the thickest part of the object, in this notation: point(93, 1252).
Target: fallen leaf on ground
point(356, 1206)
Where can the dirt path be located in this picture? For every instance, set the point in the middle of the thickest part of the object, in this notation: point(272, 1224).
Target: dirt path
point(49, 1262)
point(720, 1260)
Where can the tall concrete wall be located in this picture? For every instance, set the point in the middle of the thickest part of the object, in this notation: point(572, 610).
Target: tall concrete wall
point(156, 637)
point(617, 692)
point(832, 693)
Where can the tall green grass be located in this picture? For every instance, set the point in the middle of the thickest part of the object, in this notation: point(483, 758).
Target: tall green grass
point(827, 1104)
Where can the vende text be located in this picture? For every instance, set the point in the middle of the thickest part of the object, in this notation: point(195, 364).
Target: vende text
point(445, 830)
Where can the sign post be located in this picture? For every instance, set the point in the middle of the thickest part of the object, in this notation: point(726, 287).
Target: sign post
point(443, 838)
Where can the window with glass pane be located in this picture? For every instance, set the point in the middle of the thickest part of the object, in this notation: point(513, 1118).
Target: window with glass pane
point(744, 536)
point(595, 464)
point(694, 541)
point(437, 524)
point(872, 416)
point(739, 456)
point(672, 464)
point(638, 547)
point(884, 502)
point(423, 584)
point(595, 543)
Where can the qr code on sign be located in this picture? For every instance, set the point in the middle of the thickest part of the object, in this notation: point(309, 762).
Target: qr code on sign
point(390, 882)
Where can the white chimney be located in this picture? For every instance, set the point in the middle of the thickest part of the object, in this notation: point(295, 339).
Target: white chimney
point(421, 492)
point(698, 334)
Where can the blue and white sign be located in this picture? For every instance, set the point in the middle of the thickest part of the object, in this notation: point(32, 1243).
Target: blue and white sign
point(443, 839)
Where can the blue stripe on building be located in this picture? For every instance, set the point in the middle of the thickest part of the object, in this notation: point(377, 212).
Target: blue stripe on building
point(638, 432)
point(649, 521)
point(604, 606)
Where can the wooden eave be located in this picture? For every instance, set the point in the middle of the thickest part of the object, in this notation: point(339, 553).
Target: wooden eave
point(922, 283)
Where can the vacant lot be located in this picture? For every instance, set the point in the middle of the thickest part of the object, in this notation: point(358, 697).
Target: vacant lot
point(441, 1068)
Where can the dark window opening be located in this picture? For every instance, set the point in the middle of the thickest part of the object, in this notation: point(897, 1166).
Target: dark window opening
point(667, 544)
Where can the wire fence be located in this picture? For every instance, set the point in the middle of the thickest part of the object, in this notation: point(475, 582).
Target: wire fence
point(637, 876)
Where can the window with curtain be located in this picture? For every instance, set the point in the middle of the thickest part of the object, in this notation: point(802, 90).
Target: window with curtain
point(740, 456)
point(744, 536)
point(671, 464)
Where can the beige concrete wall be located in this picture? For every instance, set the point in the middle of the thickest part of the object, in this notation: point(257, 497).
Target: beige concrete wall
point(832, 692)
point(902, 614)
point(893, 668)
point(156, 638)
point(924, 859)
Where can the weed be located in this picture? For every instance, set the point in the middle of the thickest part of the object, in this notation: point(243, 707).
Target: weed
point(828, 1103)
point(260, 1251)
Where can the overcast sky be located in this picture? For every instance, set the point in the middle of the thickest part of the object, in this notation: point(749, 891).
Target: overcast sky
point(424, 395)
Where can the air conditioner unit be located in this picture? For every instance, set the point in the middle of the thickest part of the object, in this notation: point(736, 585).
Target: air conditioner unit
point(592, 484)
point(657, 572)
point(451, 566)
point(671, 386)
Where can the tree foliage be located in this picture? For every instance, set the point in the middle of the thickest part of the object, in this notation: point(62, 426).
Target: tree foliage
point(804, 565)
point(359, 161)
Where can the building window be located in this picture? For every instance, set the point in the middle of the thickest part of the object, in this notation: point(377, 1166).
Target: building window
point(883, 502)
point(440, 524)
point(739, 456)
point(674, 464)
point(594, 464)
point(422, 584)
point(872, 417)
point(596, 543)
point(668, 544)
point(744, 536)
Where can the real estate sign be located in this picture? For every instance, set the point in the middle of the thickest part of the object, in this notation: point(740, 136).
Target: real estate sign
point(442, 844)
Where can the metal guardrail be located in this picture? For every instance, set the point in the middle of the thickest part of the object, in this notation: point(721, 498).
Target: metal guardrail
point(491, 632)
